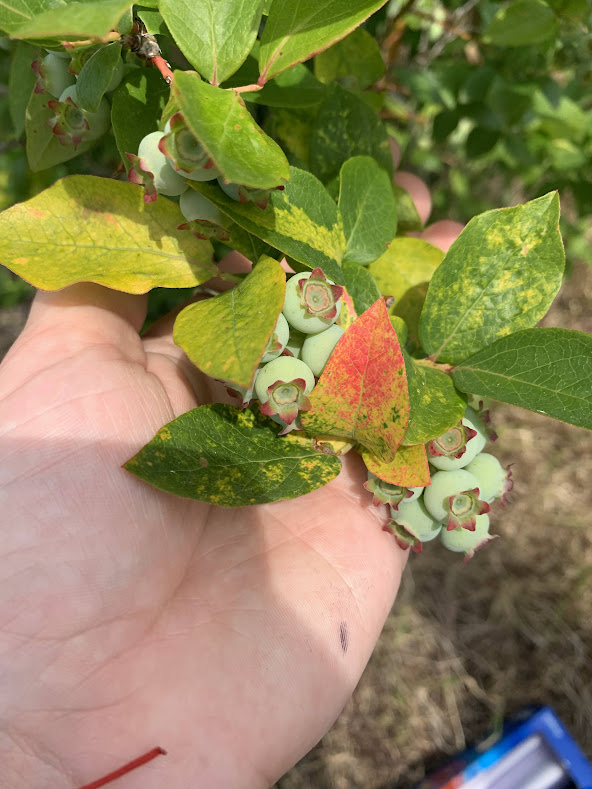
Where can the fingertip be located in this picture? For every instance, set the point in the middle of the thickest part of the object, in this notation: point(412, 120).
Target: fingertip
point(420, 194)
point(442, 234)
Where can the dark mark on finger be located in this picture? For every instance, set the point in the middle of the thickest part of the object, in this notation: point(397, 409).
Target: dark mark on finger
point(343, 636)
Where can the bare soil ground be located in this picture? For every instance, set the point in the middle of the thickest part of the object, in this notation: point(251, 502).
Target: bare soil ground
point(466, 644)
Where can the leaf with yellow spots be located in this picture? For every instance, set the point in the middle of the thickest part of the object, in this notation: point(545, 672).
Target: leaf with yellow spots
point(240, 149)
point(436, 404)
point(302, 221)
point(362, 393)
point(226, 336)
point(348, 312)
point(231, 457)
point(409, 469)
point(89, 229)
point(500, 276)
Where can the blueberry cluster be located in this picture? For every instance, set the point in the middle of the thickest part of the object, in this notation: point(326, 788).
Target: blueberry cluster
point(465, 482)
point(56, 75)
point(301, 344)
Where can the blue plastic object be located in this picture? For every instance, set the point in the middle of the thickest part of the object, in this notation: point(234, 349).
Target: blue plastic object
point(533, 751)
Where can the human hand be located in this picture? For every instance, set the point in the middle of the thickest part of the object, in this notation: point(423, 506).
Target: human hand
point(130, 618)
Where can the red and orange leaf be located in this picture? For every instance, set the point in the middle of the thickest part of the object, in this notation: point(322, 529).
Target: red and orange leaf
point(362, 393)
point(409, 469)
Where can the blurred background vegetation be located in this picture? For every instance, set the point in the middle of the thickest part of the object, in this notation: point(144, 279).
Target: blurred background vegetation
point(490, 102)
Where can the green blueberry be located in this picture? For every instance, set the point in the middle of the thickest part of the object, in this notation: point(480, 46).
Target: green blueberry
point(284, 368)
point(413, 515)
point(194, 205)
point(295, 342)
point(279, 339)
point(317, 348)
point(166, 180)
point(494, 479)
point(73, 120)
point(474, 445)
point(55, 74)
point(230, 190)
point(464, 541)
point(297, 315)
point(446, 484)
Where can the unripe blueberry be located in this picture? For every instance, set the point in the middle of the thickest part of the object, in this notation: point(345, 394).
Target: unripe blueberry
point(459, 445)
point(312, 302)
point(194, 205)
point(52, 73)
point(467, 542)
point(246, 194)
point(318, 348)
point(453, 497)
point(71, 124)
point(278, 340)
point(415, 525)
point(150, 168)
point(385, 493)
point(185, 154)
point(295, 343)
point(282, 386)
point(494, 481)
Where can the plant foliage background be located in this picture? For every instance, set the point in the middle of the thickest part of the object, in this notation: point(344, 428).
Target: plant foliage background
point(489, 112)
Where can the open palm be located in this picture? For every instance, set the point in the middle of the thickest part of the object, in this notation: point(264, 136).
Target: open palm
point(130, 618)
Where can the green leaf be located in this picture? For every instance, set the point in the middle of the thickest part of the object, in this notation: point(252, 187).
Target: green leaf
point(544, 370)
point(43, 147)
point(89, 229)
point(355, 60)
point(242, 152)
point(227, 336)
point(21, 83)
point(362, 392)
point(299, 29)
point(361, 286)
point(408, 220)
point(436, 405)
point(96, 75)
point(230, 457)
point(499, 276)
point(409, 469)
point(76, 20)
point(368, 210)
point(293, 89)
point(137, 105)
point(215, 37)
point(522, 23)
point(15, 13)
point(346, 126)
point(153, 21)
point(480, 141)
point(404, 272)
point(302, 221)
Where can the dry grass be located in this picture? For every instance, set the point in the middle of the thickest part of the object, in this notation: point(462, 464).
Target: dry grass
point(466, 644)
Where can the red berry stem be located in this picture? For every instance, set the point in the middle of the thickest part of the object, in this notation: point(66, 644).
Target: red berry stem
point(164, 68)
point(127, 768)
